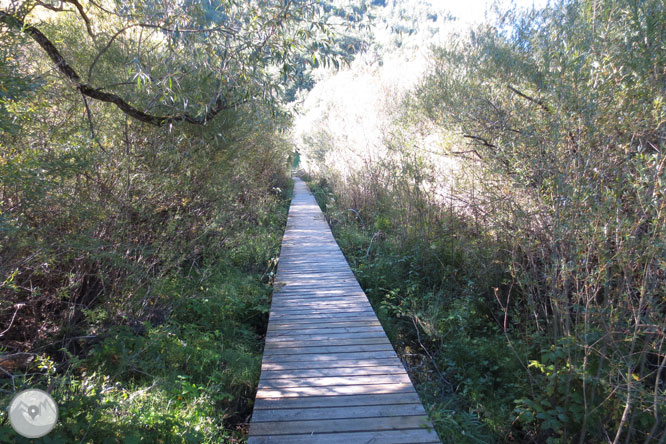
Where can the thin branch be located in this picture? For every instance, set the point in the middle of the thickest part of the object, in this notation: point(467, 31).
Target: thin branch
point(539, 102)
point(52, 7)
point(101, 8)
point(461, 153)
point(83, 15)
point(103, 50)
point(90, 122)
point(11, 376)
point(222, 29)
point(483, 141)
point(18, 307)
point(415, 321)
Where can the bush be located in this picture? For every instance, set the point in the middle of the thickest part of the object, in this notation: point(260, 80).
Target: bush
point(526, 249)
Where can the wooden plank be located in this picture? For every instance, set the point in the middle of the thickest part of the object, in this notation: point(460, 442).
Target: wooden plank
point(321, 325)
point(332, 349)
point(339, 363)
point(330, 286)
point(360, 335)
point(280, 291)
point(339, 371)
point(326, 326)
point(338, 412)
point(339, 425)
point(320, 307)
point(327, 342)
point(289, 392)
point(304, 318)
point(322, 311)
point(296, 298)
point(329, 381)
point(320, 271)
point(324, 267)
point(307, 301)
point(417, 436)
point(332, 283)
point(313, 256)
point(331, 314)
point(297, 309)
point(313, 302)
point(275, 333)
point(322, 332)
point(330, 280)
point(331, 357)
point(336, 401)
point(323, 320)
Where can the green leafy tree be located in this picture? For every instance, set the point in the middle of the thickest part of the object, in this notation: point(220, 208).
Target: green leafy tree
point(163, 62)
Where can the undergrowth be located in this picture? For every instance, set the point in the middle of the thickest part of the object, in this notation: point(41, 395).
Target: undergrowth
point(187, 377)
point(432, 294)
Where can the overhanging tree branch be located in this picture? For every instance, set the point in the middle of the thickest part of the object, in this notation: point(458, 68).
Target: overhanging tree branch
point(95, 93)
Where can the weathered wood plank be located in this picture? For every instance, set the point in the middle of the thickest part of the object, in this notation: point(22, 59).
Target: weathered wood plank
point(336, 371)
point(336, 401)
point(334, 363)
point(328, 381)
point(338, 412)
point(301, 303)
point(289, 392)
point(317, 300)
point(323, 315)
point(312, 293)
point(359, 335)
point(418, 436)
point(308, 319)
point(339, 425)
point(325, 330)
point(321, 325)
point(301, 310)
point(327, 342)
point(333, 349)
point(338, 301)
point(330, 357)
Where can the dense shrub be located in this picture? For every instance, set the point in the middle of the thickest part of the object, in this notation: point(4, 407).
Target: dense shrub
point(567, 108)
point(135, 259)
point(527, 250)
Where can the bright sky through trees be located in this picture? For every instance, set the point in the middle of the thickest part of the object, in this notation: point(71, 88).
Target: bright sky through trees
point(473, 11)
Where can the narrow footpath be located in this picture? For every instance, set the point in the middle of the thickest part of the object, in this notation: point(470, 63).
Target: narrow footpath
point(329, 373)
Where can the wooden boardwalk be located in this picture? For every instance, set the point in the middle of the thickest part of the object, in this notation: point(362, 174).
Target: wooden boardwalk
point(329, 373)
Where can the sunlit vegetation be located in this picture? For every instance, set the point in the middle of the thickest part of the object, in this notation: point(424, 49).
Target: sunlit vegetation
point(499, 192)
point(506, 218)
point(143, 195)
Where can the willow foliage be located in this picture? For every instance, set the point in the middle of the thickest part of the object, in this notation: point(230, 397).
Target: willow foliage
point(567, 106)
